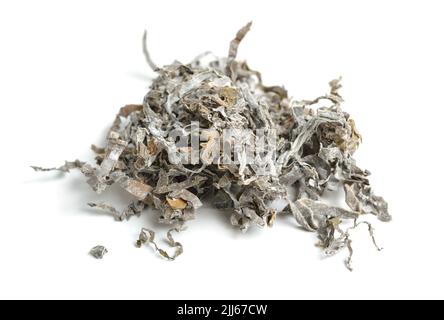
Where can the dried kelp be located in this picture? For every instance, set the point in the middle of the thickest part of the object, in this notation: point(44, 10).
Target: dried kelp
point(65, 168)
point(147, 236)
point(134, 208)
point(210, 129)
point(98, 252)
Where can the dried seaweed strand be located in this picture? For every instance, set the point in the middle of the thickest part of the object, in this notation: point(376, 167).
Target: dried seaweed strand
point(147, 236)
point(69, 165)
point(348, 241)
point(147, 54)
point(232, 52)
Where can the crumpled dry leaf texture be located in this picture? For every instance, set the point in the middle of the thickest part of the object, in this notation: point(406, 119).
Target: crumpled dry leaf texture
point(314, 152)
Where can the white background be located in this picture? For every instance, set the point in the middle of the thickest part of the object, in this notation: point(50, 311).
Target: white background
point(67, 66)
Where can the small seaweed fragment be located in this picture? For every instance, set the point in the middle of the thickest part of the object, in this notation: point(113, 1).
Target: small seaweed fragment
point(98, 252)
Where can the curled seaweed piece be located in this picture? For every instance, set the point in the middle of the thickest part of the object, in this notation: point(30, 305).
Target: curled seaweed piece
point(232, 52)
point(371, 232)
point(98, 252)
point(348, 261)
point(344, 241)
point(360, 197)
point(134, 208)
point(147, 236)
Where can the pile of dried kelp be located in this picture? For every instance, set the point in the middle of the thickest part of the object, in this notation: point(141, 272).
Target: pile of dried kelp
point(312, 152)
